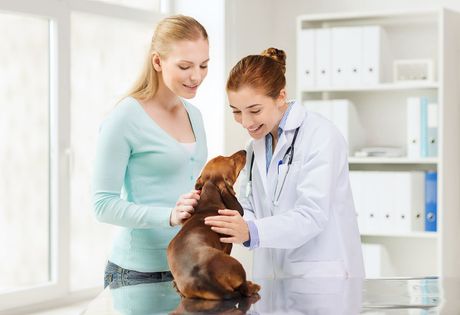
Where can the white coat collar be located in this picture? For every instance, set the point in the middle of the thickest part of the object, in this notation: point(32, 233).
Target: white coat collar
point(296, 116)
point(294, 120)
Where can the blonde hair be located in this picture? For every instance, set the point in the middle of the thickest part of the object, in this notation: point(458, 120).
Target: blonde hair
point(168, 31)
point(264, 72)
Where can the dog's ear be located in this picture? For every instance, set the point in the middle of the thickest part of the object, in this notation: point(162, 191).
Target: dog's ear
point(229, 198)
point(199, 183)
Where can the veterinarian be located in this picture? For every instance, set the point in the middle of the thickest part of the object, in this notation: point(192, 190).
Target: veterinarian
point(151, 148)
point(299, 215)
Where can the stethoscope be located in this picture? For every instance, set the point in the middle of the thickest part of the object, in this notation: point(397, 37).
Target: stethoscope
point(288, 157)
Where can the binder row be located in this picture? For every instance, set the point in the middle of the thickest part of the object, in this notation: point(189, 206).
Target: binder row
point(422, 127)
point(342, 57)
point(395, 202)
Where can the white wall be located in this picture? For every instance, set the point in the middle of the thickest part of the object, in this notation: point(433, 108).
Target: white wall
point(251, 29)
point(210, 98)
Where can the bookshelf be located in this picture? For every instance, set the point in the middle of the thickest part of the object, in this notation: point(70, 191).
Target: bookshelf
point(418, 34)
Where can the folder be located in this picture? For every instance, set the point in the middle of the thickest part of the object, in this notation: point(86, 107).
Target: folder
point(357, 188)
point(375, 54)
point(423, 126)
point(354, 54)
point(407, 195)
point(345, 117)
point(389, 202)
point(431, 202)
point(377, 262)
point(432, 130)
point(377, 194)
point(346, 56)
point(306, 58)
point(323, 57)
point(322, 107)
point(413, 127)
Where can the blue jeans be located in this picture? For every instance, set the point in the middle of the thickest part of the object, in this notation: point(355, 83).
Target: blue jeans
point(116, 276)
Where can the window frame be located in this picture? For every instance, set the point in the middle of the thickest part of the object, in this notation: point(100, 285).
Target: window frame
point(59, 13)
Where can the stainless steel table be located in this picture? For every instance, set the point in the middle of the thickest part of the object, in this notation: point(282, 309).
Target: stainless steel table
point(318, 296)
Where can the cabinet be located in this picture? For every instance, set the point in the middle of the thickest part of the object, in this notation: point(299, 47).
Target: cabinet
point(380, 103)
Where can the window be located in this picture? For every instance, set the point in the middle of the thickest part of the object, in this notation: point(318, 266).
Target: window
point(63, 66)
point(24, 151)
point(152, 5)
point(100, 74)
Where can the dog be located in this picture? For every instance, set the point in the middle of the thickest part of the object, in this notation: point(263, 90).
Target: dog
point(200, 264)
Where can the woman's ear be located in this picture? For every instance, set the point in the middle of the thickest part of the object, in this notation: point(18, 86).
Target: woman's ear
point(281, 99)
point(156, 62)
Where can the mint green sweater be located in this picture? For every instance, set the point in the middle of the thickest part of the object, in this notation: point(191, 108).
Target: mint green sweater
point(140, 172)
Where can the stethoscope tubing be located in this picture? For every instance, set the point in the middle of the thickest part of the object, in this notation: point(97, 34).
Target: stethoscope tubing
point(290, 152)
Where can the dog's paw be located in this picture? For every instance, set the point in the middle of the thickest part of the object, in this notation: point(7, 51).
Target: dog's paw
point(253, 288)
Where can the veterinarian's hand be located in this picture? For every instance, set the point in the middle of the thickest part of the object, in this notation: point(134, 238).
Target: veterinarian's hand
point(184, 208)
point(231, 223)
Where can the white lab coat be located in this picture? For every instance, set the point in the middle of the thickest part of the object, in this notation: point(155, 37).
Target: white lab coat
point(312, 296)
point(313, 231)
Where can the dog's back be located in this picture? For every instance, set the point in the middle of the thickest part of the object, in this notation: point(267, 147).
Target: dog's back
point(200, 263)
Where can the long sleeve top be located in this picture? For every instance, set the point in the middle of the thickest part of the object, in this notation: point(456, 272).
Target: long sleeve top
point(140, 172)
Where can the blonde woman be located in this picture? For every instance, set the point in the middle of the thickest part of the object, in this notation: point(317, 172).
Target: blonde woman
point(151, 148)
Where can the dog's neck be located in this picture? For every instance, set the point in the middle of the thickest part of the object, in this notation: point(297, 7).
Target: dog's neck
point(210, 198)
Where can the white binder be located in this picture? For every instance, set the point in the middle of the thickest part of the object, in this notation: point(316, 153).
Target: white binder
point(357, 186)
point(346, 118)
point(354, 55)
point(378, 194)
point(322, 107)
point(388, 202)
point(346, 56)
point(306, 59)
point(344, 115)
point(408, 193)
point(377, 262)
point(339, 56)
point(375, 62)
point(413, 127)
point(432, 130)
point(381, 182)
point(323, 57)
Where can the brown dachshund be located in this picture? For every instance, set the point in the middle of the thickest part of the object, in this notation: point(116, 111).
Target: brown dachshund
point(201, 265)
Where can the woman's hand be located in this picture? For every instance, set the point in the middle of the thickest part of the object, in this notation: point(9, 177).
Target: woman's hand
point(184, 208)
point(230, 223)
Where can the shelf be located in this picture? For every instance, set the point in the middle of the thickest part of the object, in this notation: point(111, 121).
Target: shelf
point(391, 160)
point(427, 235)
point(379, 113)
point(356, 16)
point(376, 88)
